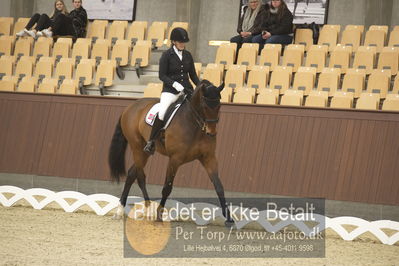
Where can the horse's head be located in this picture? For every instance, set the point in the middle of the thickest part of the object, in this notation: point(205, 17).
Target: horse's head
point(207, 97)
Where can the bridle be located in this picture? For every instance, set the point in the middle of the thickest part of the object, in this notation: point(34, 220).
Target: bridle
point(203, 122)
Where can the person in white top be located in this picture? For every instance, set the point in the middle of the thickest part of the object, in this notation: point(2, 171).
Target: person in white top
point(176, 68)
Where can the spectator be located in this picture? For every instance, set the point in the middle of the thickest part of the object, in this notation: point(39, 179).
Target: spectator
point(277, 26)
point(43, 22)
point(79, 19)
point(61, 23)
point(250, 23)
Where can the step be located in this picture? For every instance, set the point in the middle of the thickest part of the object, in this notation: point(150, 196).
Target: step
point(135, 91)
point(149, 78)
point(155, 56)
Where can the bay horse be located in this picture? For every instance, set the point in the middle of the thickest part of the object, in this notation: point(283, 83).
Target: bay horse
point(191, 135)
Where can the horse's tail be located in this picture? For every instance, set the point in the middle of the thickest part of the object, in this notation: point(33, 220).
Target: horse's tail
point(116, 155)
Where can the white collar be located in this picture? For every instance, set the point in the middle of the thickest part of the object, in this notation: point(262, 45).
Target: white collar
point(179, 53)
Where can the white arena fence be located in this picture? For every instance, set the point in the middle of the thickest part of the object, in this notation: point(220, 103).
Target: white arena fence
point(336, 224)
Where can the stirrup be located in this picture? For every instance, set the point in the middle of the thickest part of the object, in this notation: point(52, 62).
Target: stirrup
point(149, 147)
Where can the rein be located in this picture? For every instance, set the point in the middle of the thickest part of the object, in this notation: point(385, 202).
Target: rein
point(201, 122)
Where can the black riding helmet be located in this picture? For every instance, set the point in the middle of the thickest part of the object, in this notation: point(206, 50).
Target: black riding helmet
point(179, 35)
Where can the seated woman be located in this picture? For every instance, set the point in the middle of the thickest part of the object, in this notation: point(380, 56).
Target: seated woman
point(277, 26)
point(61, 23)
point(250, 23)
point(44, 23)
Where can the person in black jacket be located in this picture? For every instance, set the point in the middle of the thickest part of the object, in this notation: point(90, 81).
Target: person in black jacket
point(250, 23)
point(79, 19)
point(176, 67)
point(61, 23)
point(43, 22)
point(72, 24)
point(277, 26)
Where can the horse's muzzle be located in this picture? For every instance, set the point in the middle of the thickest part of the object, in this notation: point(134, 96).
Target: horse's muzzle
point(210, 134)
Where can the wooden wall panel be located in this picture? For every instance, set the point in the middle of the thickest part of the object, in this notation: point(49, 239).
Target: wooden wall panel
point(335, 154)
point(23, 125)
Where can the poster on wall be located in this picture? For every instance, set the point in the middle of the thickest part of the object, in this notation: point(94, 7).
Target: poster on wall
point(110, 9)
point(304, 11)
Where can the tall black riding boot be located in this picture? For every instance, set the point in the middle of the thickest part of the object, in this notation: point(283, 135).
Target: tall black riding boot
point(156, 128)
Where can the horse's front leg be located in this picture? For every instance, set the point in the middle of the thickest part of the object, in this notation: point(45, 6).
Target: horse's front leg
point(211, 165)
point(167, 187)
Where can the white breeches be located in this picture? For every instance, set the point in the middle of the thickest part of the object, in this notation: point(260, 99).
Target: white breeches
point(167, 99)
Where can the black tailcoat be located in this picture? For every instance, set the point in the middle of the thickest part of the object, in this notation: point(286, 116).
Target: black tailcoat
point(172, 69)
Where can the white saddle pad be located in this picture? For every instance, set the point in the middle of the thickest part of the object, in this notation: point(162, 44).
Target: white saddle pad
point(150, 117)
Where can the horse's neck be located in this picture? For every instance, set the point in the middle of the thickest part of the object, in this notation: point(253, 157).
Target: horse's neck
point(190, 118)
point(196, 102)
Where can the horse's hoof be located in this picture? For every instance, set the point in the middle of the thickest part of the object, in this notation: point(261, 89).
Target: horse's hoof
point(229, 223)
point(147, 203)
point(119, 213)
point(159, 220)
point(116, 217)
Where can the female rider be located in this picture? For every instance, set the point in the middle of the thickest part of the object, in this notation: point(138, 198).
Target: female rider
point(176, 67)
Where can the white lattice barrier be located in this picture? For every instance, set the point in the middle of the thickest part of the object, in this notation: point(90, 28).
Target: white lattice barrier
point(58, 197)
point(336, 224)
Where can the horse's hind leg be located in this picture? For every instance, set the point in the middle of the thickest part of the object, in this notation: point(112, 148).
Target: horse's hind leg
point(131, 177)
point(141, 182)
point(141, 158)
point(136, 171)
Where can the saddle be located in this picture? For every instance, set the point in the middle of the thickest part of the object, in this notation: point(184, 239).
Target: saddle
point(169, 115)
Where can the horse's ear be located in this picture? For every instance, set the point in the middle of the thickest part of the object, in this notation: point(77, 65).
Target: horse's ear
point(221, 87)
